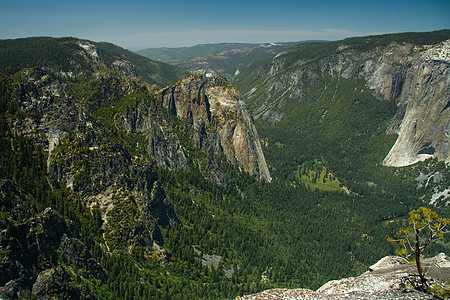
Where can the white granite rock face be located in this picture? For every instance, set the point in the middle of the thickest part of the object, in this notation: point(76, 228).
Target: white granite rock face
point(384, 280)
point(220, 121)
point(425, 129)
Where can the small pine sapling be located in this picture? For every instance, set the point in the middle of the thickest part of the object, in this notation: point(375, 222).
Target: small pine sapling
point(425, 227)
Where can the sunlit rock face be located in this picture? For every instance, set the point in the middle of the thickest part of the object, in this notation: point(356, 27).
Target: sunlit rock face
point(425, 129)
point(219, 120)
point(384, 280)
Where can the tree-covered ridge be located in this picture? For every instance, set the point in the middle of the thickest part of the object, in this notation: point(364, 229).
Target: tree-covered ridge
point(159, 73)
point(66, 55)
point(39, 51)
point(319, 50)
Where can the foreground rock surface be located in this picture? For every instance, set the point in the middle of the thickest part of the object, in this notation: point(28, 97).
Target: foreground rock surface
point(384, 280)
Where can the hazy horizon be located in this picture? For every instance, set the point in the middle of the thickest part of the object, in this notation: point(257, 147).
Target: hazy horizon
point(140, 24)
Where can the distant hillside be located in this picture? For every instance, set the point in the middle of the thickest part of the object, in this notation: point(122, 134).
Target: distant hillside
point(348, 102)
point(226, 59)
point(75, 55)
point(185, 53)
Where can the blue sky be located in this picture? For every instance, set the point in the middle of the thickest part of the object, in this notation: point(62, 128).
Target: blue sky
point(172, 23)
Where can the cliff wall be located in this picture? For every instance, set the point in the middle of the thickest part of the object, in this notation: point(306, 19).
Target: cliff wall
point(219, 120)
point(414, 76)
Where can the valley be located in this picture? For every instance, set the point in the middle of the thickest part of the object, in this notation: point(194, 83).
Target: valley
point(128, 178)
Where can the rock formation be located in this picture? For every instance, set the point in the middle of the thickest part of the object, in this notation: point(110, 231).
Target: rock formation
point(425, 128)
point(387, 279)
point(220, 122)
point(112, 173)
point(103, 173)
point(29, 250)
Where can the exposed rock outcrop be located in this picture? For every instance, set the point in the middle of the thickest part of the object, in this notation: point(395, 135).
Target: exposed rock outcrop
point(56, 283)
point(385, 280)
point(214, 119)
point(103, 173)
point(112, 174)
point(28, 251)
point(425, 128)
point(220, 122)
point(163, 144)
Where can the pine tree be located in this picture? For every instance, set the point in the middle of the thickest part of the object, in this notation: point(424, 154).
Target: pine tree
point(425, 227)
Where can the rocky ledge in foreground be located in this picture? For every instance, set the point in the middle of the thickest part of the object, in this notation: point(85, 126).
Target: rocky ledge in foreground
point(384, 280)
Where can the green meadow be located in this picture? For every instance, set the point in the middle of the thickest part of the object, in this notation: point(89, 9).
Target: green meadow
point(314, 176)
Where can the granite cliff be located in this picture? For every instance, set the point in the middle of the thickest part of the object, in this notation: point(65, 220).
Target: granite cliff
point(219, 120)
point(215, 121)
point(424, 130)
point(310, 80)
point(113, 174)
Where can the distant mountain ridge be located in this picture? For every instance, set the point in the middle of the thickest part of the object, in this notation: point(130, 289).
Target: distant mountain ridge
point(226, 59)
point(62, 54)
point(166, 54)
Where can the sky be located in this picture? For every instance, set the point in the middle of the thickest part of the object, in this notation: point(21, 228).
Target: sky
point(137, 24)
